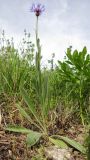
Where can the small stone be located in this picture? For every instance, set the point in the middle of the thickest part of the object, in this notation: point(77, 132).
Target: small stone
point(55, 153)
point(10, 153)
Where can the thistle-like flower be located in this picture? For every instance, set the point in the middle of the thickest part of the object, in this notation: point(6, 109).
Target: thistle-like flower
point(37, 9)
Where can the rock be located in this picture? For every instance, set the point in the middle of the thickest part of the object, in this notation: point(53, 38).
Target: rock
point(55, 153)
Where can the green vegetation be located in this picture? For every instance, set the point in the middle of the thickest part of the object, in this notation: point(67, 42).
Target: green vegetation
point(64, 89)
point(43, 95)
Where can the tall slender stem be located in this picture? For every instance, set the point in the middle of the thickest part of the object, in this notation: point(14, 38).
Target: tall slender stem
point(36, 29)
point(39, 76)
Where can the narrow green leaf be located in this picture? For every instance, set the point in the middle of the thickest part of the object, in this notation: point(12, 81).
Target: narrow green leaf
point(24, 113)
point(72, 143)
point(28, 101)
point(6, 80)
point(58, 143)
point(30, 105)
point(27, 116)
point(18, 129)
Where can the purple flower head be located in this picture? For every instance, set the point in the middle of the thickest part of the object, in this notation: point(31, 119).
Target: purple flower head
point(37, 9)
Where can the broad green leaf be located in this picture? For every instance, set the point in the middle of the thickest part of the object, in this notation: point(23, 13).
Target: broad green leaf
point(21, 130)
point(58, 142)
point(84, 51)
point(69, 62)
point(33, 138)
point(72, 143)
point(69, 55)
point(75, 55)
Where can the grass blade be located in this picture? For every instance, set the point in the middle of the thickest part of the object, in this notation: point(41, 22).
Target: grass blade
point(30, 105)
point(27, 116)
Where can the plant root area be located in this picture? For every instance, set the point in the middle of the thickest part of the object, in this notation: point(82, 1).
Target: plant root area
point(14, 147)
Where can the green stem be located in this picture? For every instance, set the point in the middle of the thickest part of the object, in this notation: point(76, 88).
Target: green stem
point(39, 76)
point(37, 31)
point(81, 111)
